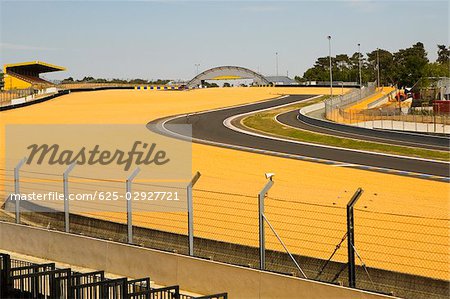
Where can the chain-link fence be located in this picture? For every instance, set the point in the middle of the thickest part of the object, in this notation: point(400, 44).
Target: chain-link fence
point(406, 255)
point(339, 109)
point(7, 96)
point(343, 101)
point(393, 119)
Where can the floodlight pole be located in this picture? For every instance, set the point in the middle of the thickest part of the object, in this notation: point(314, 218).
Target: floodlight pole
point(17, 188)
point(351, 238)
point(128, 197)
point(276, 62)
point(66, 196)
point(196, 68)
point(191, 213)
point(331, 66)
point(262, 246)
point(359, 66)
point(378, 68)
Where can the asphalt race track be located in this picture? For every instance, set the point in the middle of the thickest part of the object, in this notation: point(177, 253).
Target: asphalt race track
point(208, 128)
point(291, 119)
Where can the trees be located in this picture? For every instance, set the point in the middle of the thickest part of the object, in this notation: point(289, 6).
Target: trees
point(67, 80)
point(443, 54)
point(386, 60)
point(410, 64)
point(403, 68)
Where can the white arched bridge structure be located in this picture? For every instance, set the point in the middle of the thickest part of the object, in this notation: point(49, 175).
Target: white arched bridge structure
point(227, 73)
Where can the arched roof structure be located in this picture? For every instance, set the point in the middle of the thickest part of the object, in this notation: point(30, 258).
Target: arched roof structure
point(227, 73)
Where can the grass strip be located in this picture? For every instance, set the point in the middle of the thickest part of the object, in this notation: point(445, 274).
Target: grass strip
point(265, 122)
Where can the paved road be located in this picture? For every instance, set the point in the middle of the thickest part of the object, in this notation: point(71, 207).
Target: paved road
point(291, 119)
point(208, 127)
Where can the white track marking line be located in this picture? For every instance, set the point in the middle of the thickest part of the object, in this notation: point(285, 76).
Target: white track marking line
point(276, 154)
point(228, 123)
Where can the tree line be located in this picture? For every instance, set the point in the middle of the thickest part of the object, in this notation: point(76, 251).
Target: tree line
point(403, 68)
point(88, 79)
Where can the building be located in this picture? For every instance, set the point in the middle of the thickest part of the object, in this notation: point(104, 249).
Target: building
point(281, 80)
point(26, 74)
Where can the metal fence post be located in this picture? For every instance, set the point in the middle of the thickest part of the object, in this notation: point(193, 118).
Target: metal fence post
point(191, 213)
point(351, 238)
point(17, 188)
point(129, 208)
point(262, 244)
point(66, 196)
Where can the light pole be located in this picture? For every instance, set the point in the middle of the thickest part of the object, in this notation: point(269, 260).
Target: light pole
point(196, 68)
point(276, 62)
point(378, 68)
point(331, 69)
point(359, 62)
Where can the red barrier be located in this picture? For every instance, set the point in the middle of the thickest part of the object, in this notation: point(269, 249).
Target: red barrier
point(441, 107)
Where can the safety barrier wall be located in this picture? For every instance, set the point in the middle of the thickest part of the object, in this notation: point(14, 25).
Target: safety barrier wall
point(190, 273)
point(157, 87)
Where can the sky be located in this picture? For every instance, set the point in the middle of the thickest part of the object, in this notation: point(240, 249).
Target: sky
point(166, 39)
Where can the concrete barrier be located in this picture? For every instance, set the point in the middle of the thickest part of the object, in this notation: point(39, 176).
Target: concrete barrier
point(193, 274)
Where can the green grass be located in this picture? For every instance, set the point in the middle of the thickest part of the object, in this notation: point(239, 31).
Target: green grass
point(265, 122)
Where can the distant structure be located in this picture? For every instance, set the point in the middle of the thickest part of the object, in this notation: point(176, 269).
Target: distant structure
point(26, 74)
point(227, 73)
point(281, 80)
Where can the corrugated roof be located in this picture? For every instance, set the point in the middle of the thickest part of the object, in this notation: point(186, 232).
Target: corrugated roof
point(39, 66)
point(280, 79)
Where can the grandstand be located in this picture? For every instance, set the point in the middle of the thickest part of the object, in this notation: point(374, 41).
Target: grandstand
point(26, 75)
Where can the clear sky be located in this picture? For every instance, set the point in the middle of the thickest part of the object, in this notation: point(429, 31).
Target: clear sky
point(165, 39)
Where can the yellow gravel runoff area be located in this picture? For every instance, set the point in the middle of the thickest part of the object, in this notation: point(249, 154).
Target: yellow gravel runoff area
point(307, 203)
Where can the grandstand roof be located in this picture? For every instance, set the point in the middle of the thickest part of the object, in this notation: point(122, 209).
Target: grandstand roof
point(34, 66)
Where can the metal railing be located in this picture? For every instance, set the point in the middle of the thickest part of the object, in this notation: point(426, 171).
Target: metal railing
point(46, 281)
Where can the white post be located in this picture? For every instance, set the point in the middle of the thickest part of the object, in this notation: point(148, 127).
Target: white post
point(262, 242)
point(129, 208)
point(191, 213)
point(66, 196)
point(17, 188)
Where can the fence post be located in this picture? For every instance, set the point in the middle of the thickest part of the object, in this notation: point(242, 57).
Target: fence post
point(191, 213)
point(351, 238)
point(392, 121)
point(66, 196)
point(129, 208)
point(17, 188)
point(262, 244)
point(415, 123)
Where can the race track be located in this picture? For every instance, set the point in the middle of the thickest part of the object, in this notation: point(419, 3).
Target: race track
point(291, 119)
point(208, 127)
